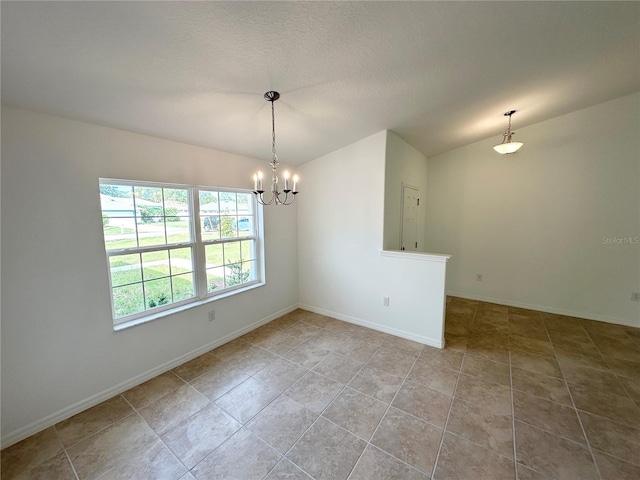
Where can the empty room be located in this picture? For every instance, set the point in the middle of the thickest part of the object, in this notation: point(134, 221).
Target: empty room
point(320, 240)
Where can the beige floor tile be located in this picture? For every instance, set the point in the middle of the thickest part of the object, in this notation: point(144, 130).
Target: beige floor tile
point(486, 369)
point(616, 439)
point(356, 349)
point(302, 330)
point(231, 350)
point(368, 335)
point(403, 345)
point(549, 416)
point(356, 412)
point(253, 360)
point(152, 390)
point(199, 435)
point(287, 320)
point(57, 468)
point(461, 459)
point(536, 364)
point(154, 462)
point(243, 456)
point(338, 367)
point(631, 386)
point(600, 402)
point(488, 348)
point(612, 468)
point(320, 321)
point(314, 391)
point(30, 453)
point(455, 342)
point(280, 343)
point(496, 398)
point(552, 455)
point(173, 408)
point(378, 465)
point(377, 383)
point(99, 453)
point(282, 423)
point(441, 357)
point(423, 402)
point(481, 426)
point(409, 439)
point(624, 368)
point(549, 388)
point(93, 420)
point(219, 381)
point(285, 470)
point(196, 367)
point(438, 378)
point(392, 361)
point(326, 451)
point(260, 334)
point(307, 354)
point(524, 473)
point(531, 345)
point(592, 379)
point(281, 374)
point(327, 340)
point(247, 399)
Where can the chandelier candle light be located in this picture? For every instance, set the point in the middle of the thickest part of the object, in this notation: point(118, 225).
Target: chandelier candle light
point(508, 145)
point(258, 189)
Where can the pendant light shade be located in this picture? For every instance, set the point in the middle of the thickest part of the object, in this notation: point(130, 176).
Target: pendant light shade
point(508, 145)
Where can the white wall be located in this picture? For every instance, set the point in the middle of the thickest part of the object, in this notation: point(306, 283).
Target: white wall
point(59, 350)
point(533, 223)
point(341, 269)
point(404, 164)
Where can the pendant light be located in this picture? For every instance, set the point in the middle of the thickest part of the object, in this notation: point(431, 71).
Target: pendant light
point(508, 145)
point(288, 194)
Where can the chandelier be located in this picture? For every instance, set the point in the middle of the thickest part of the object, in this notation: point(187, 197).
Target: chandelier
point(508, 145)
point(287, 195)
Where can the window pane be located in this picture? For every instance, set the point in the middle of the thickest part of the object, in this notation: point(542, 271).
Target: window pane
point(176, 202)
point(215, 279)
point(125, 269)
point(214, 255)
point(210, 227)
point(209, 203)
point(119, 232)
point(182, 287)
point(228, 227)
point(245, 227)
point(178, 229)
point(232, 253)
point(157, 292)
point(228, 203)
point(248, 248)
point(245, 204)
point(127, 300)
point(250, 270)
point(155, 264)
point(180, 260)
point(151, 231)
point(234, 275)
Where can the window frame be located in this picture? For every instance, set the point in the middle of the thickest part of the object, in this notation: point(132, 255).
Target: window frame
point(198, 254)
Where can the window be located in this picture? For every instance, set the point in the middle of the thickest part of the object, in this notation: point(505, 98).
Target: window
point(170, 246)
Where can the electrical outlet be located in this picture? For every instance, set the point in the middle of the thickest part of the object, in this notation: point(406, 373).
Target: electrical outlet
point(385, 301)
point(212, 315)
point(635, 297)
point(479, 277)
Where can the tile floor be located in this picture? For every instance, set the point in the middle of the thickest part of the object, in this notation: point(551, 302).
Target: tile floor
point(516, 394)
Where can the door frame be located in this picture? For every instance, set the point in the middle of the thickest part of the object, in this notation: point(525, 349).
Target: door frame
point(404, 185)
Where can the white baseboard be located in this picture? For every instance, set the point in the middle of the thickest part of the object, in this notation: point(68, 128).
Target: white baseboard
point(543, 308)
point(71, 410)
point(432, 342)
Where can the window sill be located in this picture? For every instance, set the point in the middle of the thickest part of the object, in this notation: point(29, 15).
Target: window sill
point(171, 311)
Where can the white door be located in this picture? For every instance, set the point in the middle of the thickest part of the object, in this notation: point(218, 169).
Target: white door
point(410, 207)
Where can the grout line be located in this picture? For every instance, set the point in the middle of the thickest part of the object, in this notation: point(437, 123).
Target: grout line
point(453, 396)
point(575, 409)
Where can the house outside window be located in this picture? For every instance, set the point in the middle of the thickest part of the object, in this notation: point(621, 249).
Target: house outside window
point(171, 246)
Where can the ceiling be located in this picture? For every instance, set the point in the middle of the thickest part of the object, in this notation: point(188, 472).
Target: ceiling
point(439, 74)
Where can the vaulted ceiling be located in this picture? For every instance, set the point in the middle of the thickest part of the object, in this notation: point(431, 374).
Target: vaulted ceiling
point(440, 74)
